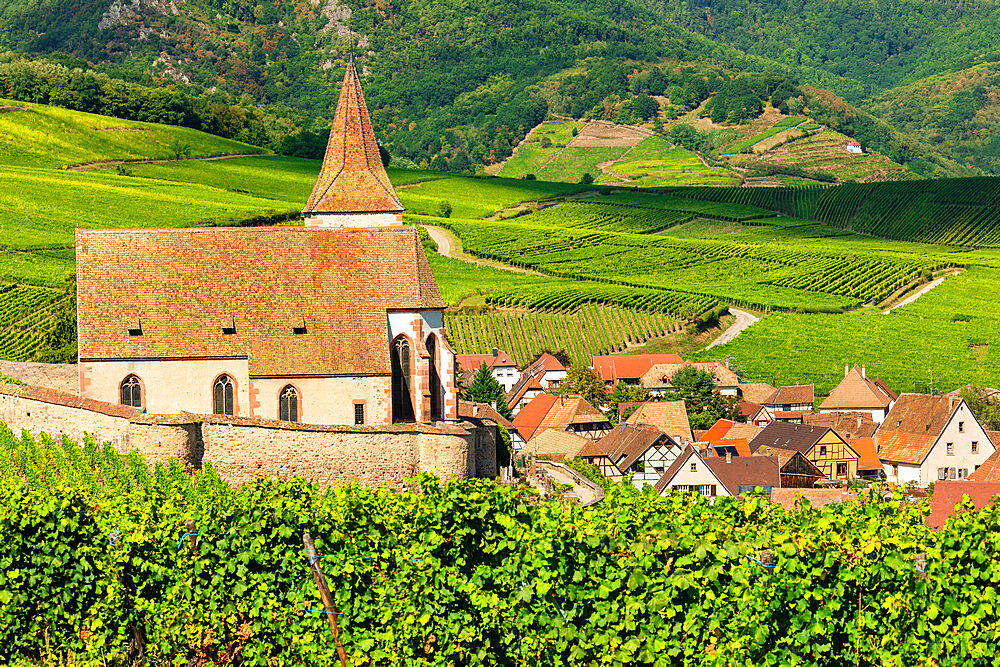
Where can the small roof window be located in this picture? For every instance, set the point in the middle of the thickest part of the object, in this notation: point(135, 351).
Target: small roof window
point(229, 326)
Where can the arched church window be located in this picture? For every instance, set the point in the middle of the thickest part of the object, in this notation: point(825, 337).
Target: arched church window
point(288, 404)
point(437, 393)
point(132, 392)
point(224, 395)
point(402, 381)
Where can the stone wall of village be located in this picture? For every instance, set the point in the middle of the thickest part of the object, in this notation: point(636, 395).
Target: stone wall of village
point(241, 449)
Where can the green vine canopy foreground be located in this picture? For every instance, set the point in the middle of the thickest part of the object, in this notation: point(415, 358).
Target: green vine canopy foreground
point(93, 550)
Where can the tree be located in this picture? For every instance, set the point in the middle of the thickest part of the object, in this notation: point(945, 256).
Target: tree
point(704, 404)
point(486, 389)
point(624, 393)
point(445, 209)
point(586, 383)
point(985, 407)
point(586, 179)
point(645, 107)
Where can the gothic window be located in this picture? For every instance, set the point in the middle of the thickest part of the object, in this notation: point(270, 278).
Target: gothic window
point(224, 395)
point(288, 404)
point(437, 392)
point(132, 392)
point(402, 381)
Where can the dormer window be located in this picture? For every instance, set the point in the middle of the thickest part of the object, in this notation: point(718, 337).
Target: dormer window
point(299, 328)
point(229, 326)
point(135, 328)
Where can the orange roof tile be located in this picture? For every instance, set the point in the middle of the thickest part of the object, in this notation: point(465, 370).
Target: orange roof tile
point(668, 416)
point(352, 178)
point(868, 457)
point(531, 415)
point(817, 498)
point(632, 442)
point(718, 431)
point(847, 424)
point(912, 426)
point(857, 391)
point(182, 286)
point(793, 394)
point(659, 374)
point(756, 392)
point(556, 444)
point(472, 362)
point(614, 367)
point(548, 411)
point(949, 493)
point(989, 471)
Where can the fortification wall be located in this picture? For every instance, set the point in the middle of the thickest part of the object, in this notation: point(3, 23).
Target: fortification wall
point(242, 448)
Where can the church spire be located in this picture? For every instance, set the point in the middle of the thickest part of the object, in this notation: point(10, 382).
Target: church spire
point(353, 189)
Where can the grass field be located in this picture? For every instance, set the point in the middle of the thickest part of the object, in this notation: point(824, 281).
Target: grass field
point(36, 135)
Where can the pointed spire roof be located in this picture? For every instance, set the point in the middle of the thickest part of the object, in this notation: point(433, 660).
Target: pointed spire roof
point(352, 179)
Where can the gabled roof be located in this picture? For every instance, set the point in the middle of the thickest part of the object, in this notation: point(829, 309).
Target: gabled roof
point(557, 444)
point(857, 391)
point(545, 362)
point(755, 392)
point(668, 416)
point(989, 471)
point(793, 394)
point(531, 377)
point(733, 473)
point(632, 442)
point(472, 362)
point(734, 446)
point(744, 431)
point(547, 411)
point(800, 437)
point(786, 456)
point(949, 493)
point(181, 287)
point(352, 178)
point(614, 367)
point(523, 386)
point(847, 424)
point(718, 431)
point(659, 375)
point(482, 411)
point(868, 457)
point(913, 425)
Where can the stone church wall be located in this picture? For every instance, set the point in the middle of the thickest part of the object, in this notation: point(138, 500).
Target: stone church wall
point(241, 449)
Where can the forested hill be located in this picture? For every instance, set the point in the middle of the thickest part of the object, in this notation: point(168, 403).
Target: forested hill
point(458, 83)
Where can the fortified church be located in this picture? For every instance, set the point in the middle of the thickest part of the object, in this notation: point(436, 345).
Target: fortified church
point(336, 322)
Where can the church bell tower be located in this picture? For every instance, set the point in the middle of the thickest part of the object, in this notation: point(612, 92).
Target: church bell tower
point(353, 189)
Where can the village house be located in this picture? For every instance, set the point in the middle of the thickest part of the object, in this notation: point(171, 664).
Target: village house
point(564, 413)
point(848, 425)
point(629, 368)
point(869, 464)
point(503, 368)
point(544, 374)
point(644, 451)
point(336, 322)
point(794, 469)
point(657, 378)
point(789, 404)
point(927, 439)
point(821, 445)
point(853, 146)
point(557, 445)
point(667, 416)
point(859, 393)
point(719, 476)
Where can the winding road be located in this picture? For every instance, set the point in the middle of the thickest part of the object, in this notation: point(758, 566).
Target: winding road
point(743, 320)
point(450, 246)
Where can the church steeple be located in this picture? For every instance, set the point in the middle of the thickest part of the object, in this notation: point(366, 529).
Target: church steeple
point(353, 189)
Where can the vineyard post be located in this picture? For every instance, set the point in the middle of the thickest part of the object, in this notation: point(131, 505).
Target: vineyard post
point(192, 532)
point(324, 593)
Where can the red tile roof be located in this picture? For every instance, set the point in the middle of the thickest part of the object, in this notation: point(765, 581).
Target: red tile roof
point(614, 367)
point(632, 441)
point(794, 394)
point(550, 411)
point(718, 431)
point(739, 471)
point(659, 375)
point(868, 457)
point(352, 178)
point(482, 411)
point(557, 444)
point(756, 392)
point(848, 425)
point(472, 362)
point(989, 470)
point(668, 416)
point(949, 493)
point(913, 426)
point(817, 498)
point(857, 391)
point(182, 286)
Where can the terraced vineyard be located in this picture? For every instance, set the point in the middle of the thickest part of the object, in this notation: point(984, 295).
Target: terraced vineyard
point(22, 312)
point(825, 151)
point(582, 333)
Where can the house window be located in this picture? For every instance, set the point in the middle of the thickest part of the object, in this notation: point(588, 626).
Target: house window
point(952, 473)
point(359, 414)
point(961, 427)
point(975, 447)
point(132, 392)
point(963, 473)
point(437, 391)
point(707, 490)
point(942, 473)
point(224, 395)
point(694, 467)
point(822, 450)
point(288, 404)
point(639, 466)
point(950, 447)
point(895, 470)
point(841, 470)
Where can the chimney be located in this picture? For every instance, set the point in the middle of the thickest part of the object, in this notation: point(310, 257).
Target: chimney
point(495, 352)
point(847, 369)
point(729, 457)
point(863, 371)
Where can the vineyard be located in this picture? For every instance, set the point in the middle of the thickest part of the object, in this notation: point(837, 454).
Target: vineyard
point(581, 333)
point(471, 572)
point(23, 310)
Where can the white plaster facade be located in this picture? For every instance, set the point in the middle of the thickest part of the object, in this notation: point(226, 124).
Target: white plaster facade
point(694, 472)
point(878, 414)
